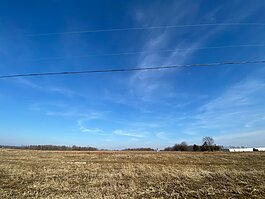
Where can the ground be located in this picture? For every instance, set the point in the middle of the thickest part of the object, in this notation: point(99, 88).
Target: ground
point(113, 174)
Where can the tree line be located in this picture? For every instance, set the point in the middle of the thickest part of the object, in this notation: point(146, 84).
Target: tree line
point(207, 145)
point(52, 148)
point(139, 149)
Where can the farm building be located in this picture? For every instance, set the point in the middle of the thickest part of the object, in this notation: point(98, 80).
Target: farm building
point(241, 150)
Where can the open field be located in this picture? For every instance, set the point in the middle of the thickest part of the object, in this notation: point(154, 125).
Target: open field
point(50, 174)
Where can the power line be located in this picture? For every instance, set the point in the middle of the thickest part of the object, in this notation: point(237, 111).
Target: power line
point(158, 51)
point(146, 28)
point(130, 69)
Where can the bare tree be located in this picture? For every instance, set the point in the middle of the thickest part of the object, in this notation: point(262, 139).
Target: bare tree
point(207, 143)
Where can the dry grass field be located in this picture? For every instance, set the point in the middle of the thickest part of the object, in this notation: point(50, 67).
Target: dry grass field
point(50, 174)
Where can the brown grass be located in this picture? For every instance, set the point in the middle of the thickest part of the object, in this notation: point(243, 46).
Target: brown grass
point(49, 174)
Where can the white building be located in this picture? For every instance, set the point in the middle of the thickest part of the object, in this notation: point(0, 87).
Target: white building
point(241, 150)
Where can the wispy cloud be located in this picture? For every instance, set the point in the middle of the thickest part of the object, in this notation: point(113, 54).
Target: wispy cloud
point(93, 115)
point(239, 94)
point(130, 133)
point(162, 135)
point(144, 124)
point(239, 103)
point(63, 91)
point(145, 84)
point(28, 83)
point(55, 108)
point(84, 129)
point(45, 88)
point(154, 86)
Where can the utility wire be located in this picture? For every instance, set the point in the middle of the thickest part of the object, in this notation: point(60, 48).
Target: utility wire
point(158, 51)
point(131, 69)
point(146, 28)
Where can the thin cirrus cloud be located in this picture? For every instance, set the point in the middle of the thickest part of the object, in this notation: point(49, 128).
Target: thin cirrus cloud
point(120, 132)
point(88, 130)
point(45, 88)
point(147, 85)
point(240, 103)
point(258, 119)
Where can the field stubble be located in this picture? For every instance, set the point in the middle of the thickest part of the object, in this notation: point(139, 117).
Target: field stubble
point(53, 174)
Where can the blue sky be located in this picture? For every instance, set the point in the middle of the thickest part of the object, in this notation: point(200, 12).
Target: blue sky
point(137, 109)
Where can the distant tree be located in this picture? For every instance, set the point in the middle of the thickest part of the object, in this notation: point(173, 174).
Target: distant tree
point(55, 147)
point(195, 147)
point(209, 141)
point(183, 146)
point(168, 149)
point(218, 148)
point(176, 147)
point(205, 147)
point(208, 144)
point(139, 149)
